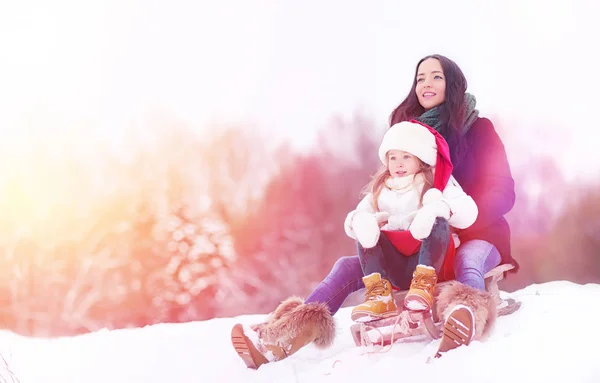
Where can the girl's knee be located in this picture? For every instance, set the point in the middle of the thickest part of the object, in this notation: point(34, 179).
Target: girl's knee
point(441, 227)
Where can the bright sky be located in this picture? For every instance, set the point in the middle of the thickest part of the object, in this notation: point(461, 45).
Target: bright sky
point(289, 66)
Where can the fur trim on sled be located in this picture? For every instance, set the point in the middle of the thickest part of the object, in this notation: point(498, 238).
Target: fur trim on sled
point(480, 302)
point(310, 318)
point(284, 307)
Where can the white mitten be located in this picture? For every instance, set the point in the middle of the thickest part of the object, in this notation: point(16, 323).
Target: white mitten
point(432, 195)
point(382, 216)
point(423, 223)
point(399, 222)
point(366, 229)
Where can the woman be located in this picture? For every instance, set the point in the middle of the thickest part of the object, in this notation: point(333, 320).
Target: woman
point(437, 98)
point(479, 158)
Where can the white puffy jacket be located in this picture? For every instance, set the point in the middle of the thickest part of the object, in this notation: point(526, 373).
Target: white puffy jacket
point(405, 204)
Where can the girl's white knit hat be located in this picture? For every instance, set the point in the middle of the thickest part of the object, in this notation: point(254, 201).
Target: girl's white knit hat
point(412, 138)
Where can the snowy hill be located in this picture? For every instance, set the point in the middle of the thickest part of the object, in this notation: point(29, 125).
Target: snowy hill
point(552, 338)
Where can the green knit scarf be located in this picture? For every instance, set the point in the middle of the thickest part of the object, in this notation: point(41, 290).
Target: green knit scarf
point(432, 116)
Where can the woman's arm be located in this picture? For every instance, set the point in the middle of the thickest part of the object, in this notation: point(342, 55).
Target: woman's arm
point(494, 190)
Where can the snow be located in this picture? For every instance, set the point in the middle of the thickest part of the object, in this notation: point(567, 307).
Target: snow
point(551, 338)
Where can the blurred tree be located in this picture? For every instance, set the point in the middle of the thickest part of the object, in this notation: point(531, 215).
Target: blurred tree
point(294, 236)
point(129, 232)
point(572, 248)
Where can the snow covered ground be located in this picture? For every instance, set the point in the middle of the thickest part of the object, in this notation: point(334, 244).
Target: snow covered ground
point(552, 338)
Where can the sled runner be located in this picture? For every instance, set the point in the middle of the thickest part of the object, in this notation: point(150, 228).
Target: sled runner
point(418, 324)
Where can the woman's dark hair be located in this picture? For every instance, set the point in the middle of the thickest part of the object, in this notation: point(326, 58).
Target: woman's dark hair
point(451, 111)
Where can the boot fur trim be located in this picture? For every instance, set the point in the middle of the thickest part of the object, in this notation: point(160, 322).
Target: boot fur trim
point(313, 317)
point(284, 307)
point(480, 302)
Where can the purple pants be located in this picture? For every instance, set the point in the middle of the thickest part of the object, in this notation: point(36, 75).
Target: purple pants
point(473, 259)
point(344, 278)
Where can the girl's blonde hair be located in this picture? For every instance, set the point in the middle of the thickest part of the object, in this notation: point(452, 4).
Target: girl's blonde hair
point(378, 181)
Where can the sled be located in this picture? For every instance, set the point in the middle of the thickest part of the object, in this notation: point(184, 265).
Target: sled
point(417, 325)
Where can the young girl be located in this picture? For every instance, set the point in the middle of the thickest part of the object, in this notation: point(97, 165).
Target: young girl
point(414, 198)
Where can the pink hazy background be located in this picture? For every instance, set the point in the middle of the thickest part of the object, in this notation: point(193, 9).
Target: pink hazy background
point(174, 161)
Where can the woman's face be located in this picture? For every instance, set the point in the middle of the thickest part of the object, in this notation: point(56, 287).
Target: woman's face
point(431, 84)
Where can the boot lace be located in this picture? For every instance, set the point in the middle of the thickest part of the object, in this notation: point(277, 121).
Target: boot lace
point(423, 282)
point(376, 289)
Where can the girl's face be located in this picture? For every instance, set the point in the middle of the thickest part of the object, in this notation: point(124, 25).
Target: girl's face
point(431, 84)
point(402, 164)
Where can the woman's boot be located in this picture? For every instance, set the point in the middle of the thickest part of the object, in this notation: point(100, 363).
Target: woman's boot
point(282, 337)
point(468, 314)
point(284, 307)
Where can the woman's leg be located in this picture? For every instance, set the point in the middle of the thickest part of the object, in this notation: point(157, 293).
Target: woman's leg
point(473, 259)
point(293, 324)
point(344, 278)
point(464, 303)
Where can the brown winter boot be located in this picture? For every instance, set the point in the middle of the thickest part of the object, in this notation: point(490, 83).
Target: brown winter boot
point(284, 307)
point(420, 294)
point(379, 301)
point(468, 314)
point(458, 329)
point(304, 324)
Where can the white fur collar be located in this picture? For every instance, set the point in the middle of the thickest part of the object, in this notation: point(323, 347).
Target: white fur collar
point(404, 183)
